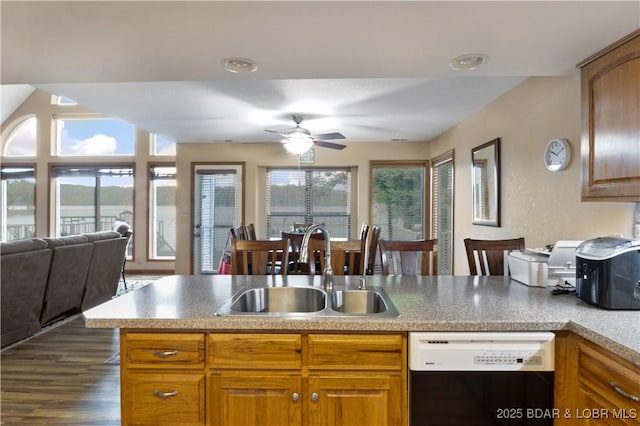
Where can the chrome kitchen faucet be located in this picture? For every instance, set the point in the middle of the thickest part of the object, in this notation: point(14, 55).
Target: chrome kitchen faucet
point(327, 273)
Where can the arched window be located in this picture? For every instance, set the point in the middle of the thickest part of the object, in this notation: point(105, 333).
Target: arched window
point(22, 139)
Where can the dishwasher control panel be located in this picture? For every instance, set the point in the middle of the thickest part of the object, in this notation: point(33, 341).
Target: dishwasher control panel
point(481, 351)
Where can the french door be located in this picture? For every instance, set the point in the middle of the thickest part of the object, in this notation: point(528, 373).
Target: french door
point(218, 207)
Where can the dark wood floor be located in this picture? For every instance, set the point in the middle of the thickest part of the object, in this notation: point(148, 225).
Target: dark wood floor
point(59, 378)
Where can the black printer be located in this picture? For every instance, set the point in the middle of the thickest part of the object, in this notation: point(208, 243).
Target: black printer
point(608, 272)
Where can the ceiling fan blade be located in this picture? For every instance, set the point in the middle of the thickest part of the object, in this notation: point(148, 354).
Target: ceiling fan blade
point(276, 132)
point(329, 145)
point(329, 136)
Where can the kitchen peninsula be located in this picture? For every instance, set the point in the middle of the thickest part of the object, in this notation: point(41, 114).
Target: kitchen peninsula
point(206, 354)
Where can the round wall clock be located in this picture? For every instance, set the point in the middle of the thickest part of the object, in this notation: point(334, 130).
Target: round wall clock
point(557, 155)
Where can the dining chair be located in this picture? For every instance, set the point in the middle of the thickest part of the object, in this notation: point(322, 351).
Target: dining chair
point(295, 241)
point(370, 238)
point(488, 256)
point(250, 231)
point(239, 233)
point(345, 256)
point(409, 257)
point(259, 257)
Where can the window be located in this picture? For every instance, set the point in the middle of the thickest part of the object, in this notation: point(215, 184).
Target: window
point(94, 137)
point(161, 145)
point(91, 198)
point(442, 210)
point(61, 100)
point(309, 196)
point(22, 139)
point(18, 203)
point(398, 194)
point(162, 210)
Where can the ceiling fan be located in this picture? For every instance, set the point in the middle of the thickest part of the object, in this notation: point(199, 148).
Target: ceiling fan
point(298, 140)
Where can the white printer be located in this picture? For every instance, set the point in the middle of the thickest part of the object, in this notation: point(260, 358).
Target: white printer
point(545, 268)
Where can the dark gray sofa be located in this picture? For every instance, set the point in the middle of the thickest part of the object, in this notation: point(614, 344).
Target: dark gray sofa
point(44, 280)
point(105, 267)
point(24, 272)
point(67, 276)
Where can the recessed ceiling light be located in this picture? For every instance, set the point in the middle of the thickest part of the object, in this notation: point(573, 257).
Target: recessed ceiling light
point(239, 65)
point(469, 61)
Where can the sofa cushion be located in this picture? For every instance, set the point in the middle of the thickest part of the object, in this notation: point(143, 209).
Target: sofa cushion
point(21, 246)
point(102, 235)
point(66, 241)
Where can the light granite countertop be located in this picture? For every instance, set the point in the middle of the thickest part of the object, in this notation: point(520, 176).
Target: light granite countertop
point(425, 303)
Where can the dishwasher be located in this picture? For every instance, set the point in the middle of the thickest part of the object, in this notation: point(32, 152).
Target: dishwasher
point(481, 378)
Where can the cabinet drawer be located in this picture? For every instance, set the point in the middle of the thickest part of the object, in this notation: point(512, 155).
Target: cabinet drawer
point(165, 399)
point(355, 352)
point(600, 370)
point(255, 351)
point(164, 350)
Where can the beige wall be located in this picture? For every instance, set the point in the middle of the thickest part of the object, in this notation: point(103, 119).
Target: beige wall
point(537, 204)
point(259, 156)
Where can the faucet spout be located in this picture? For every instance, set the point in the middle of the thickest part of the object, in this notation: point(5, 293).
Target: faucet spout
point(327, 273)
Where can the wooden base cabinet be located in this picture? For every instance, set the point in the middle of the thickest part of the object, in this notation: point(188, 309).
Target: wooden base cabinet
point(595, 386)
point(162, 379)
point(355, 400)
point(263, 379)
point(256, 399)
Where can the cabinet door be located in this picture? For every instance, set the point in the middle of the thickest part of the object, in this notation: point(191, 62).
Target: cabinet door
point(255, 399)
point(608, 387)
point(611, 124)
point(347, 400)
point(157, 399)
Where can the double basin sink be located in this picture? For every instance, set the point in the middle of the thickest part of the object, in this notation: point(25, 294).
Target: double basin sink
point(309, 301)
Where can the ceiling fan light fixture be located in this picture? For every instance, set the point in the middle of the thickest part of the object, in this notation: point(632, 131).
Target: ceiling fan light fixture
point(469, 61)
point(239, 65)
point(298, 145)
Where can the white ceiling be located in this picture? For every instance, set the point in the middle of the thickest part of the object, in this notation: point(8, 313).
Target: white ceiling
point(372, 70)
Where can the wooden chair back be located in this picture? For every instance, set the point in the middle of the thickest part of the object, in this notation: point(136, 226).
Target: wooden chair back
point(259, 257)
point(295, 240)
point(487, 256)
point(239, 233)
point(250, 231)
point(370, 237)
point(345, 256)
point(409, 257)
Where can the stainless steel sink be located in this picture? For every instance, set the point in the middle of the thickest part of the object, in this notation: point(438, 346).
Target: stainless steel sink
point(358, 302)
point(278, 300)
point(309, 302)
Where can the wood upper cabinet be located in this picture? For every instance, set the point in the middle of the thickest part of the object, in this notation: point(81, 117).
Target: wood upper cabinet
point(593, 385)
point(610, 147)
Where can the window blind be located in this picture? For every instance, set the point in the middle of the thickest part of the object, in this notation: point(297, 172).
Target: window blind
point(442, 210)
point(308, 196)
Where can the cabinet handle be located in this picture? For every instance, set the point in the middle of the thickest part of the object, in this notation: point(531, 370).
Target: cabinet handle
point(295, 396)
point(631, 396)
point(165, 395)
point(315, 396)
point(164, 354)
